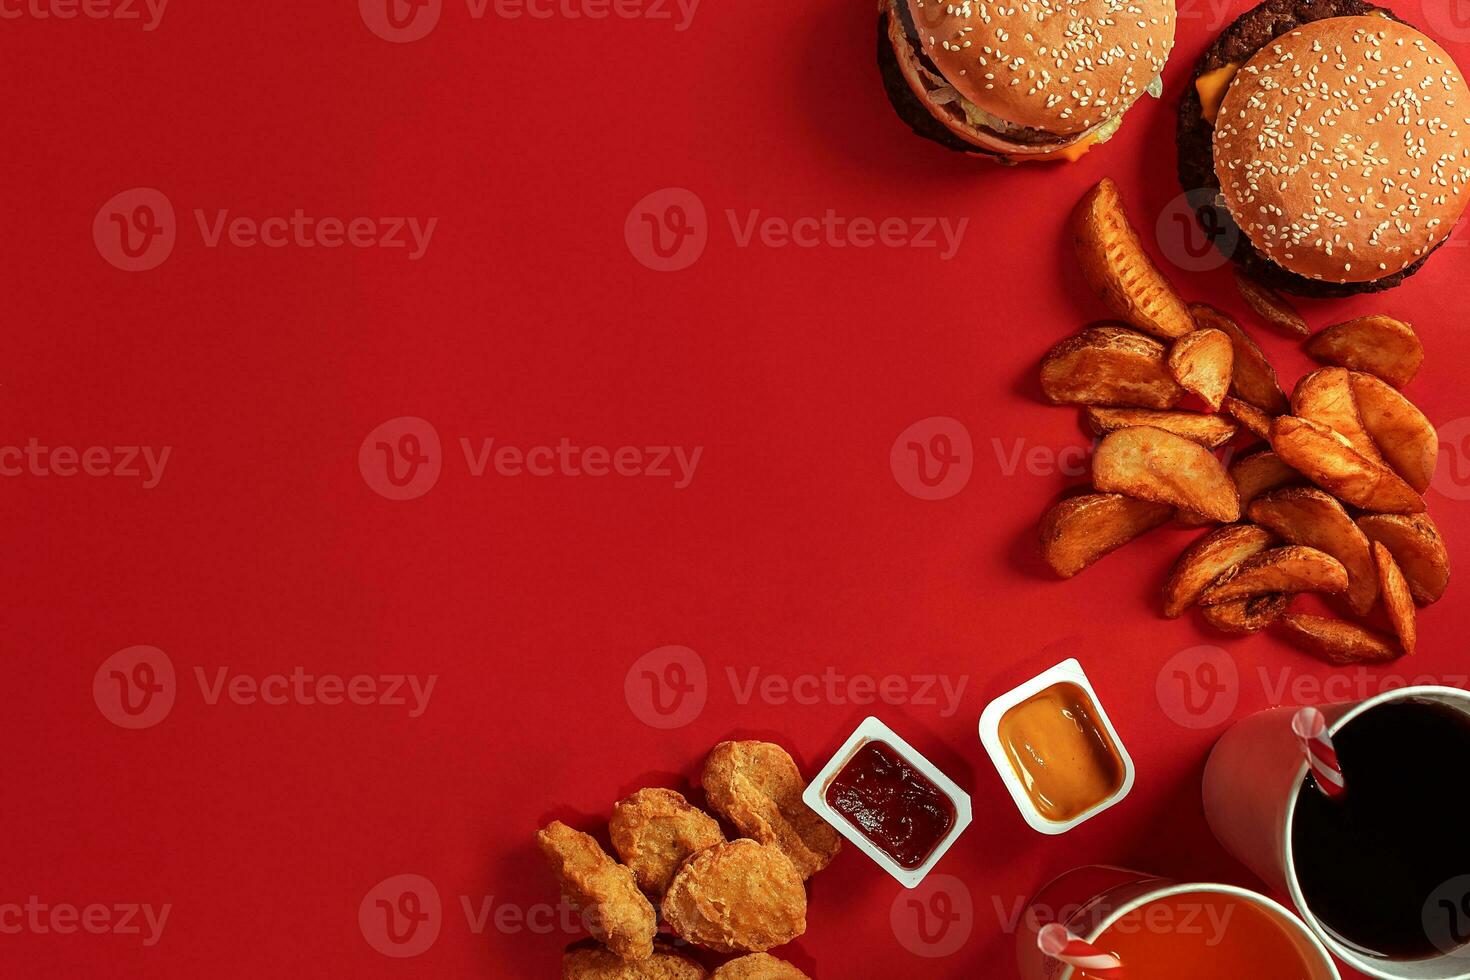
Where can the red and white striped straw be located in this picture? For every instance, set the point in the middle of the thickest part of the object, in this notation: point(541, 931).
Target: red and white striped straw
point(1311, 727)
point(1067, 947)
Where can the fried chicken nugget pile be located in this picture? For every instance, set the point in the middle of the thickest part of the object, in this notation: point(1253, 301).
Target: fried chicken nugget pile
point(602, 964)
point(757, 787)
point(654, 830)
point(759, 966)
point(614, 909)
point(740, 897)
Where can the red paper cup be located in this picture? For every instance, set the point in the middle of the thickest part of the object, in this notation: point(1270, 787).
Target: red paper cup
point(1090, 900)
point(1252, 782)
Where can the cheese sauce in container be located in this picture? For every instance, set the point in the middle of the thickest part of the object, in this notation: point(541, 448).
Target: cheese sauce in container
point(1056, 750)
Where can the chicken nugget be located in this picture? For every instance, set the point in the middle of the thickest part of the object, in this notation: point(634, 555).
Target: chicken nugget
point(613, 908)
point(757, 787)
point(596, 963)
point(759, 966)
point(740, 897)
point(654, 830)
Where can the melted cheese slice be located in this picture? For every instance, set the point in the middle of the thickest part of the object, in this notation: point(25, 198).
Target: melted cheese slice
point(1212, 87)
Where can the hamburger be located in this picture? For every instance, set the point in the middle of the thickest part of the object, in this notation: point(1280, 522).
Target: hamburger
point(1021, 80)
point(1325, 146)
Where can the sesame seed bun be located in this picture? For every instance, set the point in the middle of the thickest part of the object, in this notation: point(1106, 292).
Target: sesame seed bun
point(1342, 149)
point(1061, 66)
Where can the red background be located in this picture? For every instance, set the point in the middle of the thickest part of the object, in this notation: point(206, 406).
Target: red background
point(528, 320)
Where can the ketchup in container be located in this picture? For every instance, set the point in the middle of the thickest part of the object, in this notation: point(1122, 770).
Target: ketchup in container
point(893, 804)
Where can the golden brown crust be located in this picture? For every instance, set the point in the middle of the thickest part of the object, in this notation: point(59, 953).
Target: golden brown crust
point(1120, 271)
point(1378, 345)
point(1419, 549)
point(1260, 474)
point(654, 830)
point(1079, 530)
point(759, 966)
point(1397, 111)
point(757, 787)
point(1339, 642)
point(1402, 433)
point(1254, 380)
point(1271, 306)
point(1306, 516)
point(1250, 615)
point(1397, 599)
point(595, 963)
point(1151, 464)
point(1209, 558)
point(1256, 422)
point(1287, 569)
point(1109, 366)
point(613, 908)
point(1327, 459)
point(740, 897)
point(1210, 431)
point(1203, 363)
point(1326, 396)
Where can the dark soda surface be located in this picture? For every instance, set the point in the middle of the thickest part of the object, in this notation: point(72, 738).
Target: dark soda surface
point(1369, 863)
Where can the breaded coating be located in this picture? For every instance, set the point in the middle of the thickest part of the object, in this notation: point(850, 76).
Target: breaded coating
point(601, 964)
point(613, 908)
point(759, 966)
point(757, 787)
point(740, 897)
point(654, 830)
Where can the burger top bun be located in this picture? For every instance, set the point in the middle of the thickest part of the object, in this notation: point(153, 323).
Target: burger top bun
point(1343, 148)
point(1062, 66)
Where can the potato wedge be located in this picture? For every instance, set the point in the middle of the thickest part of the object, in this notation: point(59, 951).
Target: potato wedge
point(1309, 517)
point(1248, 615)
point(1260, 474)
point(1210, 431)
point(1339, 642)
point(1118, 269)
point(1256, 422)
point(1378, 345)
point(1151, 464)
point(1328, 460)
point(1397, 598)
point(1291, 568)
point(1203, 362)
point(1078, 531)
point(1402, 433)
point(1188, 518)
point(1253, 379)
point(1207, 559)
point(1326, 396)
point(1417, 546)
point(1109, 366)
point(1271, 306)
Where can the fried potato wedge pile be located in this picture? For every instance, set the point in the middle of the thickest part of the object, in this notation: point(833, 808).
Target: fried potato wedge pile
point(1330, 502)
